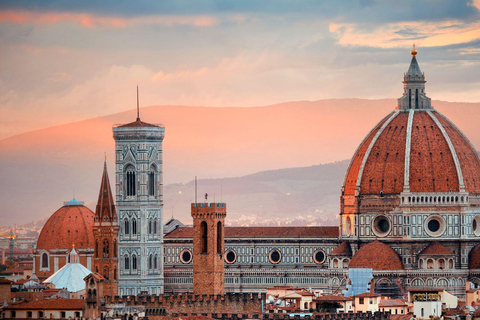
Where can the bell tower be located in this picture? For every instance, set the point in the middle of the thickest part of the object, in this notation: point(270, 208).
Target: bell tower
point(105, 233)
point(139, 194)
point(208, 248)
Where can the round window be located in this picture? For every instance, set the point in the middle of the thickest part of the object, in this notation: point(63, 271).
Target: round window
point(319, 257)
point(435, 226)
point(476, 225)
point(230, 257)
point(275, 256)
point(381, 226)
point(186, 256)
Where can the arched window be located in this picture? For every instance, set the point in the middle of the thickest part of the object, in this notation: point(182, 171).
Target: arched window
point(131, 182)
point(105, 272)
point(219, 238)
point(126, 227)
point(106, 249)
point(134, 226)
point(151, 181)
point(126, 263)
point(134, 262)
point(204, 233)
point(150, 262)
point(155, 222)
point(115, 248)
point(44, 260)
point(155, 262)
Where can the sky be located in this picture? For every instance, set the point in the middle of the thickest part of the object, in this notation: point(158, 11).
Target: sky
point(64, 61)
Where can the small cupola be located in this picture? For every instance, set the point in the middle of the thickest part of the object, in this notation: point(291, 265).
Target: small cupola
point(414, 87)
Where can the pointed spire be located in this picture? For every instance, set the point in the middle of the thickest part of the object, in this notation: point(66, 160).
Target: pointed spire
point(138, 106)
point(105, 204)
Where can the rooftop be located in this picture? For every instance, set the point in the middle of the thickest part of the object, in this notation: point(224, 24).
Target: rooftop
point(264, 232)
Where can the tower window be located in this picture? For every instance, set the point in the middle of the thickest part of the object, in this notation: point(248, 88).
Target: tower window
point(219, 238)
point(150, 262)
point(151, 182)
point(105, 272)
point(134, 226)
point(155, 260)
point(126, 227)
point(134, 262)
point(126, 262)
point(130, 185)
point(204, 233)
point(155, 222)
point(106, 249)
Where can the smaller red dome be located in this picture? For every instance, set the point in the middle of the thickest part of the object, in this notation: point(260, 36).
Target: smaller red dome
point(474, 258)
point(71, 225)
point(377, 256)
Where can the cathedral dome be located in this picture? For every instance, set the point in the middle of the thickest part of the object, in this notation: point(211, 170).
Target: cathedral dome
point(368, 257)
point(71, 225)
point(474, 258)
point(413, 149)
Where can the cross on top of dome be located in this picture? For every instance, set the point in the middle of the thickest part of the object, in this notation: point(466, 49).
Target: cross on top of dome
point(414, 87)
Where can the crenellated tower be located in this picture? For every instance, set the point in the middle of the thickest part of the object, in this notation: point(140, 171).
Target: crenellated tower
point(105, 232)
point(208, 247)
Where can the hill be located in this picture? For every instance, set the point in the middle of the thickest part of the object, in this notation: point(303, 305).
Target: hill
point(41, 169)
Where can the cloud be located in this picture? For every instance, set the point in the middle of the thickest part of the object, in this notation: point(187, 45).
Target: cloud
point(90, 20)
point(403, 34)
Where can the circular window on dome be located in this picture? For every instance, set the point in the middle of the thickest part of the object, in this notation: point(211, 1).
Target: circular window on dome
point(319, 257)
point(381, 226)
point(275, 256)
point(435, 226)
point(230, 256)
point(186, 256)
point(476, 225)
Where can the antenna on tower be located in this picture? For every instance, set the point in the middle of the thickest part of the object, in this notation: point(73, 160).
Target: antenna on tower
point(195, 189)
point(138, 107)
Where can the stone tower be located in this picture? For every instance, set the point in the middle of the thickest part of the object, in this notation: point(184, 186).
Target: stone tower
point(208, 247)
point(139, 191)
point(105, 233)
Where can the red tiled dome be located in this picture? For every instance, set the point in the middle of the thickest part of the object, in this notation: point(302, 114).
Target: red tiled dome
point(378, 256)
point(474, 258)
point(379, 164)
point(69, 225)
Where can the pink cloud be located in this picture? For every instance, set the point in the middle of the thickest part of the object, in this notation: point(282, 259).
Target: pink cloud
point(89, 21)
point(390, 35)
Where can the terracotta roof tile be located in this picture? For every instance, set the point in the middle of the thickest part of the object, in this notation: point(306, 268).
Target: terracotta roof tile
point(342, 250)
point(367, 295)
point(474, 258)
point(49, 304)
point(378, 256)
point(432, 166)
point(264, 232)
point(69, 225)
point(392, 303)
point(436, 248)
point(332, 297)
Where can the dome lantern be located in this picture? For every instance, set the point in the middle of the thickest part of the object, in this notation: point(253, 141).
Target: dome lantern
point(414, 96)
